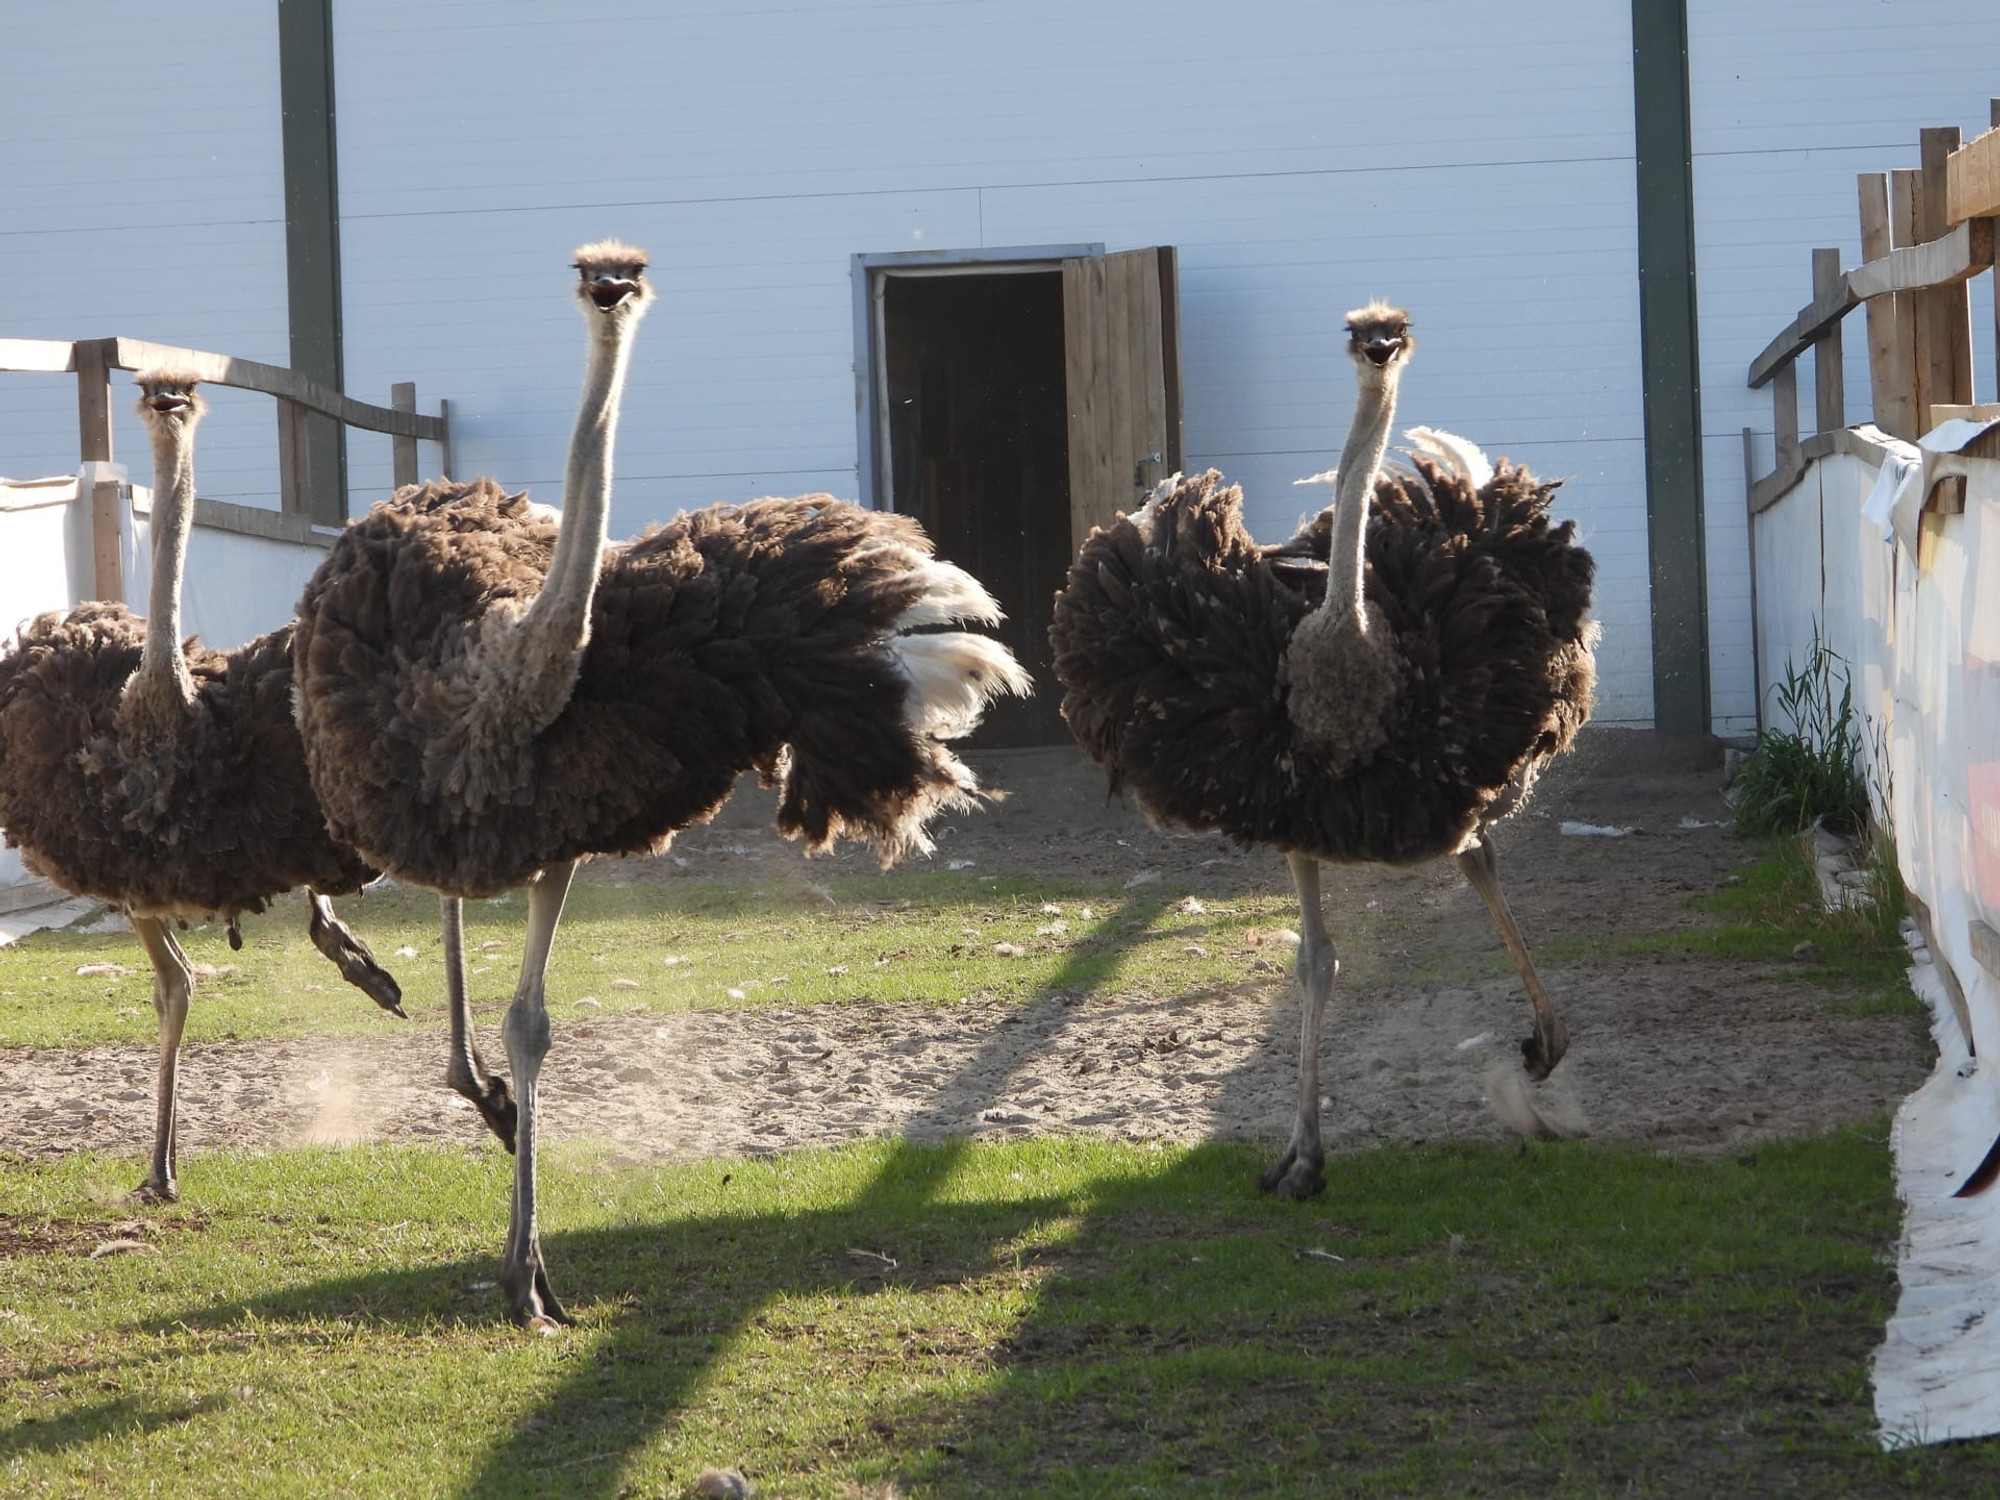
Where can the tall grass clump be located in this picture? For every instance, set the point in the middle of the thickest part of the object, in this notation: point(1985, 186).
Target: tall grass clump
point(1810, 773)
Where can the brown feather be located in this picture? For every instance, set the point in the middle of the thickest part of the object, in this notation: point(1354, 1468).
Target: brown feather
point(736, 638)
point(1171, 647)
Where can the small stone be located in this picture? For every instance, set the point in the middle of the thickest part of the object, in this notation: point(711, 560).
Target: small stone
point(723, 1484)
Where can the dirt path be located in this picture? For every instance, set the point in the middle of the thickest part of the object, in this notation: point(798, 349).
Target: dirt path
point(1685, 1053)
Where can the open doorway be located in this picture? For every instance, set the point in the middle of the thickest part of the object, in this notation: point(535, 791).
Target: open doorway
point(978, 451)
point(1010, 401)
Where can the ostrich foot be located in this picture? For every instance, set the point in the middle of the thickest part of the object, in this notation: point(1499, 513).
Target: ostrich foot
point(1296, 1177)
point(496, 1107)
point(531, 1301)
point(1542, 1051)
point(352, 957)
point(156, 1190)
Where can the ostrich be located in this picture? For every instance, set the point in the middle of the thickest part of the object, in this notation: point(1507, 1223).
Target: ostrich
point(488, 696)
point(168, 779)
point(1392, 720)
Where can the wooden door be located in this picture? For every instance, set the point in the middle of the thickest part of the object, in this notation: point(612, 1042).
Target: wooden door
point(1121, 367)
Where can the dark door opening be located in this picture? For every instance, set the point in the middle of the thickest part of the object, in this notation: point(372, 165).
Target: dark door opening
point(978, 438)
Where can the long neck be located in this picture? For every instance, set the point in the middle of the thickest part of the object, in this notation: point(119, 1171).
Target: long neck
point(1360, 464)
point(556, 627)
point(162, 668)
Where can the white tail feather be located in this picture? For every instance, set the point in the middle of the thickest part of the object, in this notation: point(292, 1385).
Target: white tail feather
point(1456, 453)
point(951, 596)
point(953, 676)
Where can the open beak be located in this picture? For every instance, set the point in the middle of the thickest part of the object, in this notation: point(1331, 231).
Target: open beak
point(608, 291)
point(1381, 351)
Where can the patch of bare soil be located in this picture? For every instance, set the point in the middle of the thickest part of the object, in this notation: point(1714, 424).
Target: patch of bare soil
point(1680, 1052)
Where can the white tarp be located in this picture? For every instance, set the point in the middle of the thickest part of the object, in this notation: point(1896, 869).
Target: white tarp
point(1921, 637)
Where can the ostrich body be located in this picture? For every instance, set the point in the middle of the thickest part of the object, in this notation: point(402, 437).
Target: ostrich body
point(166, 778)
point(1383, 688)
point(488, 696)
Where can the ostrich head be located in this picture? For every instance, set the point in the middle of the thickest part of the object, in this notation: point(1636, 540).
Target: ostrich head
point(612, 280)
point(1379, 339)
point(168, 396)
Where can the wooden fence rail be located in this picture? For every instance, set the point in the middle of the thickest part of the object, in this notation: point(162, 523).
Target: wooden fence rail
point(1925, 233)
point(93, 360)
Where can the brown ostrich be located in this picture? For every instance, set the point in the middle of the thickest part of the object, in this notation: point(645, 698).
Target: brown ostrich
point(167, 778)
point(1351, 704)
point(488, 696)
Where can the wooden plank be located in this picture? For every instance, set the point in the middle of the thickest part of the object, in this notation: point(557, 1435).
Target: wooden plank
point(1972, 179)
point(254, 520)
point(1829, 369)
point(1114, 332)
point(1767, 491)
point(94, 445)
point(1993, 229)
point(37, 356)
point(1944, 262)
point(1785, 412)
point(1889, 374)
point(1985, 945)
point(93, 400)
point(292, 496)
point(1823, 312)
point(107, 499)
point(1944, 312)
point(403, 450)
point(1170, 356)
point(276, 380)
point(444, 438)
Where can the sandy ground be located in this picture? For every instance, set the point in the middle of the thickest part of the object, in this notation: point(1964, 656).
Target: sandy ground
point(1684, 1053)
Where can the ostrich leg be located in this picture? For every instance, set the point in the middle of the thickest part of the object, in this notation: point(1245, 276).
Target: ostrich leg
point(350, 955)
point(466, 1072)
point(522, 1275)
point(1545, 1048)
point(173, 983)
point(1298, 1173)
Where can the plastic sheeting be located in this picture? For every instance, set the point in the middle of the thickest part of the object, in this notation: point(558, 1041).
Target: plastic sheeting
point(1921, 637)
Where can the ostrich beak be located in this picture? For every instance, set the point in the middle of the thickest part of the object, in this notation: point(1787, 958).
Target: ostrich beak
point(1381, 350)
point(607, 291)
point(168, 402)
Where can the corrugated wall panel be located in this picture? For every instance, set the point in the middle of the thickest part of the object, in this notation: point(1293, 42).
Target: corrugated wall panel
point(144, 196)
point(1789, 101)
point(754, 148)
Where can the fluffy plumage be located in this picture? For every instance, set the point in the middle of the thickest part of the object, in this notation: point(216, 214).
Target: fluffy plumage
point(763, 636)
point(215, 818)
point(1171, 643)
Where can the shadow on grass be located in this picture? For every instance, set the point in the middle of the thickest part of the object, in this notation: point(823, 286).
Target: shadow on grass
point(1566, 1320)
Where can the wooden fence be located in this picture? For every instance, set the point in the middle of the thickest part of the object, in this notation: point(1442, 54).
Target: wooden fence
point(93, 360)
point(1926, 231)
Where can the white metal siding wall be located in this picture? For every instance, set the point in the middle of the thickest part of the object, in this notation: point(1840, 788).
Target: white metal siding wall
point(144, 196)
point(1789, 102)
point(1469, 161)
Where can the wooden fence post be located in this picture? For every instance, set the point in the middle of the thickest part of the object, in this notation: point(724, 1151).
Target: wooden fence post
point(1943, 312)
point(1890, 366)
point(403, 397)
point(93, 430)
point(293, 459)
point(1829, 363)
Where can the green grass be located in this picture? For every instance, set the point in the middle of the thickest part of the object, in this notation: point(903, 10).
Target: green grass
point(670, 945)
point(1053, 1317)
point(1762, 919)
